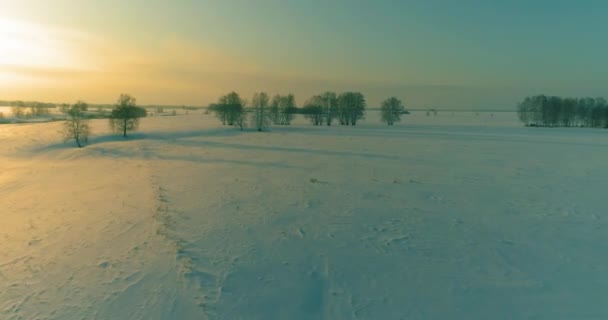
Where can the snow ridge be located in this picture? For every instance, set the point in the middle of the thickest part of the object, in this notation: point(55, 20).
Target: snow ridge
point(200, 276)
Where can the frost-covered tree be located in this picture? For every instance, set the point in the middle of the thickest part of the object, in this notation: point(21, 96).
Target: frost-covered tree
point(230, 109)
point(391, 110)
point(313, 110)
point(329, 101)
point(524, 112)
point(76, 126)
point(282, 109)
point(273, 112)
point(18, 109)
point(64, 108)
point(260, 110)
point(39, 109)
point(568, 112)
point(552, 111)
point(287, 109)
point(125, 115)
point(351, 108)
point(598, 113)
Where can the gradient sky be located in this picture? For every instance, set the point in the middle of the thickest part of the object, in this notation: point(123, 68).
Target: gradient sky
point(465, 54)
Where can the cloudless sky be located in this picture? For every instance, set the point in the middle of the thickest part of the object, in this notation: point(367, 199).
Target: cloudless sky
point(447, 54)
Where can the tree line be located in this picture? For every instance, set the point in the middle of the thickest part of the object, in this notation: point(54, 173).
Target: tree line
point(323, 109)
point(19, 109)
point(552, 111)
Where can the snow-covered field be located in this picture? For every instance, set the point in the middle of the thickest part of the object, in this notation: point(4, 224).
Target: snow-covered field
point(455, 216)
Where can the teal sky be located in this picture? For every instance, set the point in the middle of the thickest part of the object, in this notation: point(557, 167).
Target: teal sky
point(446, 54)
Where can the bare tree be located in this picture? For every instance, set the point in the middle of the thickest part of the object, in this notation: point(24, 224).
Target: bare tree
point(260, 106)
point(125, 116)
point(64, 108)
point(18, 109)
point(230, 109)
point(287, 109)
point(330, 106)
point(551, 111)
point(274, 111)
point(239, 114)
point(76, 125)
point(40, 108)
point(568, 112)
point(391, 110)
point(313, 110)
point(282, 109)
point(351, 108)
point(598, 113)
point(524, 111)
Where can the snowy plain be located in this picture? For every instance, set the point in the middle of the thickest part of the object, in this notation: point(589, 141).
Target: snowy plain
point(455, 216)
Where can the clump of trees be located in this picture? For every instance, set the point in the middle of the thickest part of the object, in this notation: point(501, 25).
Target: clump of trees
point(64, 108)
point(313, 111)
point(351, 108)
point(76, 126)
point(230, 109)
point(282, 109)
point(125, 115)
point(321, 109)
point(329, 102)
point(19, 109)
point(347, 108)
point(260, 106)
point(40, 109)
point(552, 111)
point(325, 107)
point(391, 110)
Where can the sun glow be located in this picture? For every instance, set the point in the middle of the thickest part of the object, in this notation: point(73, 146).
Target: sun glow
point(29, 45)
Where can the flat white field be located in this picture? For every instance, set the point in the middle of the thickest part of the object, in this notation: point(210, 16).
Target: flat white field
point(454, 216)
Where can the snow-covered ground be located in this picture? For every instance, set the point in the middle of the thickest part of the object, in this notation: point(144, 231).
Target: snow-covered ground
point(454, 216)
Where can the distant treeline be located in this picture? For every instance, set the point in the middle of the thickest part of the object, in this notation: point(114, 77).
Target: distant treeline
point(551, 111)
point(19, 108)
point(50, 105)
point(27, 104)
point(346, 108)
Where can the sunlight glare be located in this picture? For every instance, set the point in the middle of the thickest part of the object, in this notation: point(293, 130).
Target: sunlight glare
point(24, 44)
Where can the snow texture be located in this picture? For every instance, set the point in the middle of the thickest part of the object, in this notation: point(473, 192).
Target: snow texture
point(454, 216)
